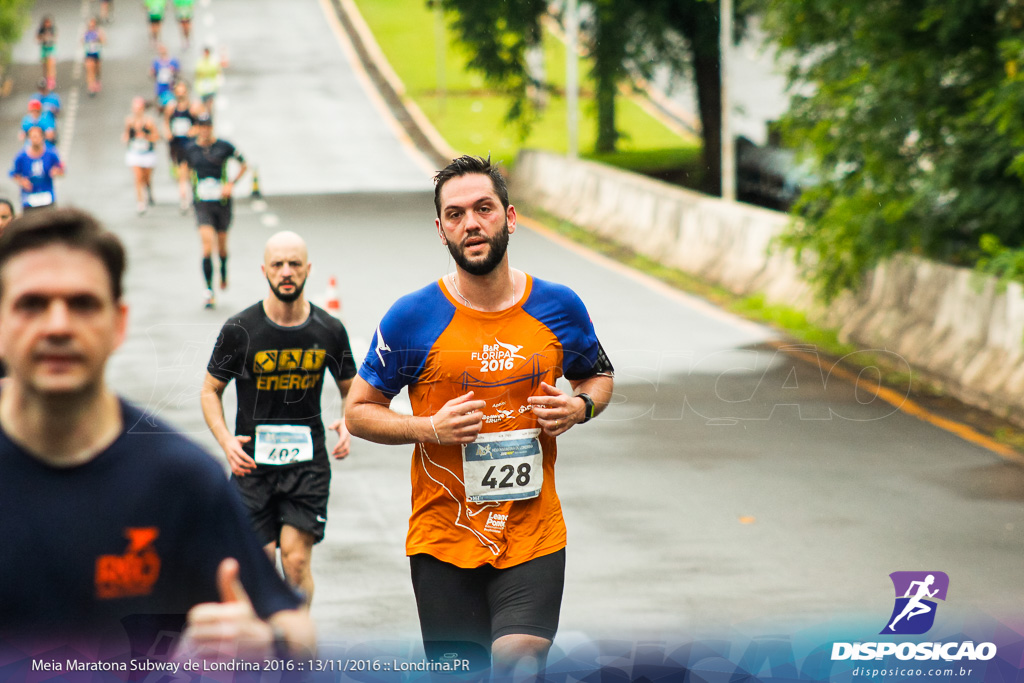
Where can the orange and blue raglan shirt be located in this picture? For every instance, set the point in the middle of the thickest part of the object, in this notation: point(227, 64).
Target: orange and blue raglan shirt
point(494, 501)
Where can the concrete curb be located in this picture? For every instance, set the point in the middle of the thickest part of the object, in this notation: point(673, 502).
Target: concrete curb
point(408, 114)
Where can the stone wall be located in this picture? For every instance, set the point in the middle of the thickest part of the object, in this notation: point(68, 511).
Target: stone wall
point(949, 323)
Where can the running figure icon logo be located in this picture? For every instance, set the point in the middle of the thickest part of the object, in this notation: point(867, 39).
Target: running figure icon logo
point(916, 593)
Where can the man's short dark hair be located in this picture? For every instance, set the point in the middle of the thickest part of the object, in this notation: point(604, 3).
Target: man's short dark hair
point(466, 165)
point(73, 228)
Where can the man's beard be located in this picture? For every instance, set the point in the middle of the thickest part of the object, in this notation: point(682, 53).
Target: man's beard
point(498, 244)
point(287, 298)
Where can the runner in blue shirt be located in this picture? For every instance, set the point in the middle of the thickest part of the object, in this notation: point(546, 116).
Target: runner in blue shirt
point(34, 169)
point(48, 99)
point(165, 71)
point(37, 117)
point(93, 42)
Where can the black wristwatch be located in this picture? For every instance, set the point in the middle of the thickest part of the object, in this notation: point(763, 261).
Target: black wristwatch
point(588, 409)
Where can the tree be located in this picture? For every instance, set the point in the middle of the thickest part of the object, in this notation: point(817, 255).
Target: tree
point(911, 113)
point(13, 19)
point(624, 38)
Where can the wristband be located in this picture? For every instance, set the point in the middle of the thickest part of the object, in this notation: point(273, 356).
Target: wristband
point(588, 407)
point(435, 430)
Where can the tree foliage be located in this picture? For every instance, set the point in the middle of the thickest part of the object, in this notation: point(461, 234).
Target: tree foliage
point(912, 114)
point(14, 16)
point(499, 36)
point(623, 38)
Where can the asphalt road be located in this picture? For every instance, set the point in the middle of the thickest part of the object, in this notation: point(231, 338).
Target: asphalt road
point(730, 486)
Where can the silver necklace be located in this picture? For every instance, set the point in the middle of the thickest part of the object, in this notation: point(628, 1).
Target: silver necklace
point(455, 284)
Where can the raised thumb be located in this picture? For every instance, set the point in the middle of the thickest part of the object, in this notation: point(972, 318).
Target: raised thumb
point(229, 586)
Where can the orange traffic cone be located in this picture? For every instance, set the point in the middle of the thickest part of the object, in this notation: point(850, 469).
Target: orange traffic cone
point(333, 301)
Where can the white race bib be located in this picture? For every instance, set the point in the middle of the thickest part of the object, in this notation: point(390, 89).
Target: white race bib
point(209, 190)
point(180, 126)
point(92, 47)
point(503, 466)
point(283, 444)
point(140, 145)
point(37, 199)
point(205, 86)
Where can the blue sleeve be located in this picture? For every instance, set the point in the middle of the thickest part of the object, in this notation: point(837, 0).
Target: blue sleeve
point(404, 338)
point(17, 168)
point(562, 312)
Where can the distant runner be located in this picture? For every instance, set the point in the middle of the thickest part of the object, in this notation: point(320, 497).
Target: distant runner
point(165, 72)
point(140, 135)
point(207, 158)
point(93, 42)
point(155, 8)
point(46, 36)
point(34, 169)
point(48, 99)
point(208, 75)
point(36, 117)
point(184, 9)
point(179, 118)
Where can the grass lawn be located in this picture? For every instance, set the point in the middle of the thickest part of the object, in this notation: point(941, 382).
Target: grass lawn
point(471, 117)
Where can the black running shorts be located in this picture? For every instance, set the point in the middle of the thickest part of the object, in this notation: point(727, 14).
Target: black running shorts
point(176, 146)
point(463, 611)
point(294, 495)
point(217, 214)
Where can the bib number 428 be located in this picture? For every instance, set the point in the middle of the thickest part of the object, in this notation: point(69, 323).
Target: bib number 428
point(521, 474)
point(503, 466)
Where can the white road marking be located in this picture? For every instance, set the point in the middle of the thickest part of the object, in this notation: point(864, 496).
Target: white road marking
point(372, 93)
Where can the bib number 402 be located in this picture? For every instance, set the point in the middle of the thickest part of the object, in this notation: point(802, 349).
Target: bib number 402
point(283, 455)
point(521, 474)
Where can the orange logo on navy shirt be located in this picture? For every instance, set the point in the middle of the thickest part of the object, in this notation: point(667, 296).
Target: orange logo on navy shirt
point(132, 574)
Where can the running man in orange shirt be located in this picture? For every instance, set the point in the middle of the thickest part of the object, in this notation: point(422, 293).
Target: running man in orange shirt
point(480, 351)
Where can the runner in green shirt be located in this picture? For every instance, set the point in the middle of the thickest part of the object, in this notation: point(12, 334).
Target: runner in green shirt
point(156, 16)
point(207, 80)
point(183, 9)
